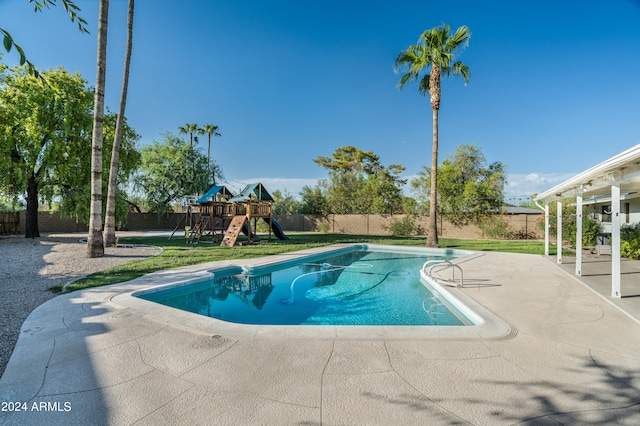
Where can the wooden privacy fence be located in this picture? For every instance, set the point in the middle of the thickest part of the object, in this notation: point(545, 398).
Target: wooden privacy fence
point(9, 223)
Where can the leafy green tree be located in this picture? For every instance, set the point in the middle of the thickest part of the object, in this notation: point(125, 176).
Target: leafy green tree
point(342, 192)
point(313, 201)
point(39, 6)
point(385, 190)
point(590, 227)
point(172, 169)
point(359, 184)
point(410, 206)
point(421, 190)
point(45, 130)
point(469, 188)
point(95, 246)
point(110, 214)
point(433, 55)
point(75, 197)
point(284, 203)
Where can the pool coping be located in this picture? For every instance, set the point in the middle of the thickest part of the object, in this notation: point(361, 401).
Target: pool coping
point(488, 325)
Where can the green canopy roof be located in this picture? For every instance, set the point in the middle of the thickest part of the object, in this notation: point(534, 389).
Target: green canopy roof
point(212, 192)
point(253, 191)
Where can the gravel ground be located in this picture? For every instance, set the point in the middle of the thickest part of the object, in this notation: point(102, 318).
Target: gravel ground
point(29, 267)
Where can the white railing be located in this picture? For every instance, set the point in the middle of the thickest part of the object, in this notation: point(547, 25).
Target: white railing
point(441, 265)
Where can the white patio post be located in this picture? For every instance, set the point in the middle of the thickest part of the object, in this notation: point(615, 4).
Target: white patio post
point(559, 231)
point(546, 228)
point(615, 240)
point(579, 232)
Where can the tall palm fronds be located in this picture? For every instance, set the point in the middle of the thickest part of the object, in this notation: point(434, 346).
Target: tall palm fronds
point(433, 57)
point(189, 129)
point(209, 130)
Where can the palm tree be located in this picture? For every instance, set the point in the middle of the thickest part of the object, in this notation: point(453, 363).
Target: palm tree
point(189, 129)
point(110, 219)
point(95, 246)
point(209, 130)
point(433, 55)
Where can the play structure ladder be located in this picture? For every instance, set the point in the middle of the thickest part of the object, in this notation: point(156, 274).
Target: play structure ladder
point(234, 229)
point(196, 233)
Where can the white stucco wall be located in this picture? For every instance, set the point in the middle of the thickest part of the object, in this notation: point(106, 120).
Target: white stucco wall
point(629, 216)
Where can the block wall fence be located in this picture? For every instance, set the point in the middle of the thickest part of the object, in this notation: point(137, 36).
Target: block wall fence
point(51, 222)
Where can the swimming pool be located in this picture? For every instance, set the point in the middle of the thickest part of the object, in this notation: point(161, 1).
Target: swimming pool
point(480, 323)
point(350, 286)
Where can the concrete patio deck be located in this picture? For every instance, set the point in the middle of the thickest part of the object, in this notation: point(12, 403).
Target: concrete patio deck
point(596, 274)
point(572, 357)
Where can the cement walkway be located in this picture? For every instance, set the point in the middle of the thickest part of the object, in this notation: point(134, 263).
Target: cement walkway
point(571, 357)
point(596, 274)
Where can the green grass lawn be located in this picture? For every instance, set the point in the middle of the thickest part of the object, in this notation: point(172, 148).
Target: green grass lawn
point(177, 253)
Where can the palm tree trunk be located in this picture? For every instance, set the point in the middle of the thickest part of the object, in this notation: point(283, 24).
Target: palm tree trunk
point(432, 228)
point(434, 91)
point(110, 219)
point(94, 240)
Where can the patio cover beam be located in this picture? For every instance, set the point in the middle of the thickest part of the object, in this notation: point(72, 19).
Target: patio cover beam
point(615, 241)
point(617, 175)
point(559, 232)
point(623, 168)
point(579, 232)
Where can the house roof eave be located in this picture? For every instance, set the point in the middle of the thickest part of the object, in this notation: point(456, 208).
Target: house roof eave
point(623, 168)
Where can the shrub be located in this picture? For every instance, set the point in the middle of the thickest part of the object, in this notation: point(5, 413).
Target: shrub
point(523, 235)
point(324, 226)
point(590, 230)
point(495, 226)
point(630, 241)
point(403, 227)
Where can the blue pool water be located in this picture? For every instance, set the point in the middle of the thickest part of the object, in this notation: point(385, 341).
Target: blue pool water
point(349, 287)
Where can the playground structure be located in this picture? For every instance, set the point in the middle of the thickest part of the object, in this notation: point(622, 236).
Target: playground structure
point(220, 216)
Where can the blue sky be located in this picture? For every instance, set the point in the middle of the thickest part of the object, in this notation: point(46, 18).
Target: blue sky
point(554, 84)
